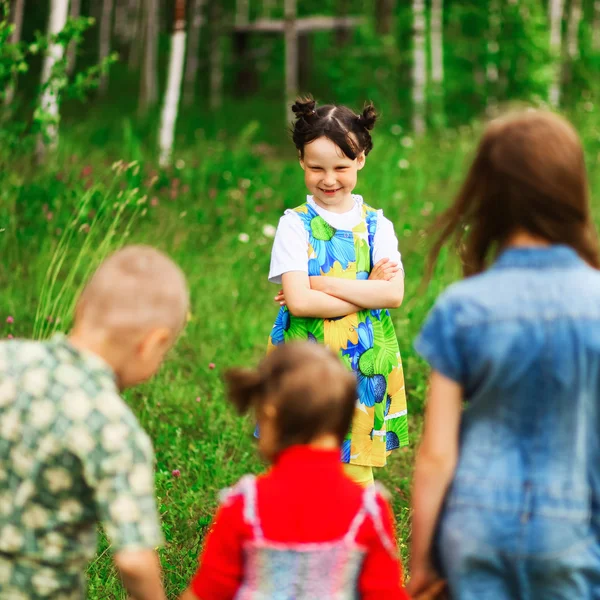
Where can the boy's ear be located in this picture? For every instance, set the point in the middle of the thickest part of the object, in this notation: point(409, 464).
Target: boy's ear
point(301, 161)
point(156, 341)
point(360, 160)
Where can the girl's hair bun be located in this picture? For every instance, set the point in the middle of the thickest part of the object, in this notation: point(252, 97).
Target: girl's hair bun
point(368, 117)
point(304, 108)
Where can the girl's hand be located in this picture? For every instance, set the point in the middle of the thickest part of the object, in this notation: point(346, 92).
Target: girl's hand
point(424, 583)
point(384, 270)
point(280, 298)
point(436, 591)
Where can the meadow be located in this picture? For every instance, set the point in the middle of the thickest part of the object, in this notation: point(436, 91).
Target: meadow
point(214, 212)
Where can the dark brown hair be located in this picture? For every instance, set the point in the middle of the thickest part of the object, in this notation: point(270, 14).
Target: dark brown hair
point(528, 174)
point(311, 390)
point(341, 125)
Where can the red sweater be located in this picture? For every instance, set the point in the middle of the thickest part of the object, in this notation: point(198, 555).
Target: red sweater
point(305, 497)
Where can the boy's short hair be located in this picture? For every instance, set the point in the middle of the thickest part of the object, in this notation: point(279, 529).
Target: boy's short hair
point(312, 391)
point(135, 289)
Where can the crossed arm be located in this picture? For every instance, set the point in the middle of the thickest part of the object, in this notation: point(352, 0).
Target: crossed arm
point(329, 297)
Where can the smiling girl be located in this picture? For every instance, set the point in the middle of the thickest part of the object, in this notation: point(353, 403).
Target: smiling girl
point(338, 262)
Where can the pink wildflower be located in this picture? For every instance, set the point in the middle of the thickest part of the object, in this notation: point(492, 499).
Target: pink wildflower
point(10, 320)
point(154, 201)
point(86, 171)
point(211, 366)
point(198, 399)
point(10, 336)
point(176, 472)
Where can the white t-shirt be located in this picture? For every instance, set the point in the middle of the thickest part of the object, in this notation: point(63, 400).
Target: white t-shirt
point(291, 239)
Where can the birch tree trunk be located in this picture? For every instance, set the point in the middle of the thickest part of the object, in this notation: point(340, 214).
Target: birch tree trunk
point(596, 26)
point(50, 100)
point(437, 42)
point(104, 41)
point(493, 48)
point(419, 66)
point(216, 58)
point(291, 57)
point(74, 13)
point(149, 88)
point(171, 103)
point(556, 17)
point(573, 29)
point(193, 46)
point(17, 11)
point(437, 60)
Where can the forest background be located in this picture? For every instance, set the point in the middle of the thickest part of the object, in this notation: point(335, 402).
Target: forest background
point(167, 122)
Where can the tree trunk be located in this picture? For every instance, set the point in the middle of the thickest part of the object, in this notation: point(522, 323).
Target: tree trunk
point(149, 88)
point(419, 67)
point(437, 42)
point(17, 11)
point(246, 76)
point(305, 51)
point(437, 60)
point(74, 13)
point(291, 57)
point(573, 29)
point(242, 12)
point(493, 49)
point(384, 16)
point(556, 17)
point(121, 20)
point(596, 26)
point(343, 34)
point(136, 34)
point(104, 41)
point(193, 47)
point(216, 58)
point(268, 6)
point(50, 94)
point(171, 103)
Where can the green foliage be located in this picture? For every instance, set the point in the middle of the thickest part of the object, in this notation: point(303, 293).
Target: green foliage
point(20, 128)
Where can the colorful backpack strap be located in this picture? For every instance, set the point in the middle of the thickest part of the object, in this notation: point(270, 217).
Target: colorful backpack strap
point(245, 487)
point(370, 508)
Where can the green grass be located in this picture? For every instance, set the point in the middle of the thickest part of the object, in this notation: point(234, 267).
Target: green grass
point(57, 223)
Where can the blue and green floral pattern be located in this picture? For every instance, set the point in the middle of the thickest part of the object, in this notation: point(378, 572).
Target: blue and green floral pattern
point(366, 341)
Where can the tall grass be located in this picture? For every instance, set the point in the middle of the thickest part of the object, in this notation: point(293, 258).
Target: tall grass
point(217, 189)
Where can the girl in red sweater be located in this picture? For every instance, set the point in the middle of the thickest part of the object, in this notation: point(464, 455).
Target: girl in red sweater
point(303, 531)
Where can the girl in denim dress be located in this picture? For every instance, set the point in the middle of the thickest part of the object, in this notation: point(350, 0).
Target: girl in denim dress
point(507, 487)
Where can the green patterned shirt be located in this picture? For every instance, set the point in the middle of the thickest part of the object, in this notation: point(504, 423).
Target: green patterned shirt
point(72, 455)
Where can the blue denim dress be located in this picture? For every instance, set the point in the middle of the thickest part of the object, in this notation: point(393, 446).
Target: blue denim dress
point(522, 516)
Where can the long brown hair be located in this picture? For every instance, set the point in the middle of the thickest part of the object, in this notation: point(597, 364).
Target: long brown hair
point(312, 392)
point(528, 174)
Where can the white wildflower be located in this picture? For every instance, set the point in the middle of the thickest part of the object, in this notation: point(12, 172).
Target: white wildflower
point(269, 231)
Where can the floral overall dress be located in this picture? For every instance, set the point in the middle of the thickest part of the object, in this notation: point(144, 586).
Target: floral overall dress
point(324, 570)
point(366, 341)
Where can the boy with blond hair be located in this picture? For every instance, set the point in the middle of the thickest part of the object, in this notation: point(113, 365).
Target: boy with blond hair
point(72, 454)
